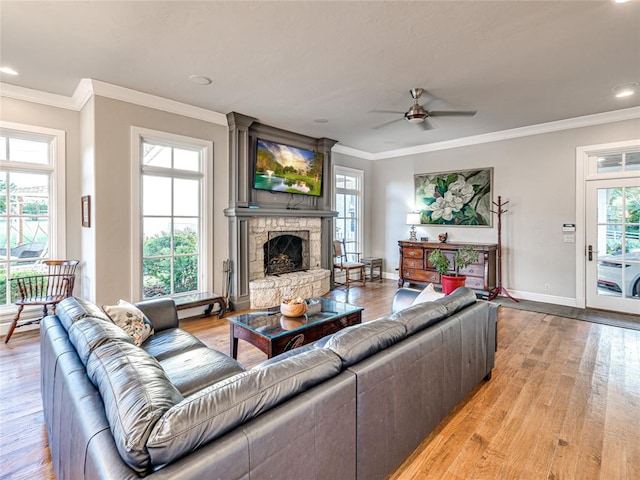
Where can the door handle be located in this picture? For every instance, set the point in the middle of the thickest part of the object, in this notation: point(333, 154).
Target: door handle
point(590, 252)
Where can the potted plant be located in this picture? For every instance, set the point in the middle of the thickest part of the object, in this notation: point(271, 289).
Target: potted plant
point(461, 258)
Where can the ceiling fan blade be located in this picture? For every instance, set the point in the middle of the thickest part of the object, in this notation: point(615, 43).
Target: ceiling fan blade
point(452, 113)
point(425, 125)
point(387, 123)
point(387, 111)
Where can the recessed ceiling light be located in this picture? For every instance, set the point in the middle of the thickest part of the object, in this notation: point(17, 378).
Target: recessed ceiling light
point(321, 120)
point(200, 79)
point(620, 1)
point(8, 71)
point(625, 89)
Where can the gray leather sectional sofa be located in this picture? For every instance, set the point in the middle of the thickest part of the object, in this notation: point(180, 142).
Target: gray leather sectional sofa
point(352, 406)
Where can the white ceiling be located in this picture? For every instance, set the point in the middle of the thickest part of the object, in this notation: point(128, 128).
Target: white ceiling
point(517, 63)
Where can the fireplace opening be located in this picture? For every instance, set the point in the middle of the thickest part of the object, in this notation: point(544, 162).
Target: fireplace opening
point(286, 252)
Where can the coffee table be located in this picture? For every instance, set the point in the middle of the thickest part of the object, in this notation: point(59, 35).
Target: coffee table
point(274, 333)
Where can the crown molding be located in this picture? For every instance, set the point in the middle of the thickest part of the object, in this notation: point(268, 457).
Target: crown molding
point(549, 127)
point(354, 152)
point(87, 88)
point(36, 96)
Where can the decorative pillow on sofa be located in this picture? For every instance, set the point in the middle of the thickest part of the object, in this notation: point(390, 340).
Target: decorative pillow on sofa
point(429, 294)
point(131, 319)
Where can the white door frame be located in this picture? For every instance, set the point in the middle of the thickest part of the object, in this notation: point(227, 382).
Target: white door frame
point(584, 173)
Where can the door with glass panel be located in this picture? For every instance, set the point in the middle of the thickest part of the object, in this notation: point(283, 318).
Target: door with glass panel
point(613, 244)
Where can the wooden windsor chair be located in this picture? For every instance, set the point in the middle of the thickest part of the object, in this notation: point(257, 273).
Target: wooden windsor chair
point(47, 289)
point(341, 263)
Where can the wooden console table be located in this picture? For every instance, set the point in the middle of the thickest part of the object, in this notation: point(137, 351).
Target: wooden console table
point(194, 300)
point(415, 266)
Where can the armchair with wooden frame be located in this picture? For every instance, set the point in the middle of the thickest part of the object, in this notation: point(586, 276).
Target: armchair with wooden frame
point(342, 263)
point(46, 289)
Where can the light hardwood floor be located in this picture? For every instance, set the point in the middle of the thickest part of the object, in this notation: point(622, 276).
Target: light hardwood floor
point(563, 403)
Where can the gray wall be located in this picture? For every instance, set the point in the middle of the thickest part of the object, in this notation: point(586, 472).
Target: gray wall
point(536, 174)
point(112, 203)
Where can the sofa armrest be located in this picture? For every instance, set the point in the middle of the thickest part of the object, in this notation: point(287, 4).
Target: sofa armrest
point(403, 298)
point(161, 312)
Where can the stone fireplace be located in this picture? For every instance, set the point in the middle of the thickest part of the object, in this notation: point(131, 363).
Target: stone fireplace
point(295, 242)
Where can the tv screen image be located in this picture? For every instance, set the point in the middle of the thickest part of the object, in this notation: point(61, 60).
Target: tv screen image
point(283, 168)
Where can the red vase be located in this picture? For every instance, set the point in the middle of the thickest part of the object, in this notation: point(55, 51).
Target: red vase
point(450, 284)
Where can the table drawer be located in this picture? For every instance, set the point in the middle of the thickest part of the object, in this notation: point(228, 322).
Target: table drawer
point(412, 253)
point(473, 269)
point(416, 263)
point(475, 282)
point(421, 276)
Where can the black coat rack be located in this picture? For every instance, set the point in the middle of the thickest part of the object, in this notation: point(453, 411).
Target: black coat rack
point(499, 288)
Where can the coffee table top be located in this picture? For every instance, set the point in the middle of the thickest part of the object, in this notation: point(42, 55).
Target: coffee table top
point(270, 323)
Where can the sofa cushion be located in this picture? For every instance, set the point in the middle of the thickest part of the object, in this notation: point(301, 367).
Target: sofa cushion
point(168, 343)
point(131, 319)
point(420, 316)
point(195, 369)
point(88, 333)
point(428, 294)
point(136, 392)
point(72, 309)
point(211, 412)
point(354, 343)
point(456, 301)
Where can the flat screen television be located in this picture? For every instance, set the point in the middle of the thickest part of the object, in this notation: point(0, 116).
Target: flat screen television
point(283, 168)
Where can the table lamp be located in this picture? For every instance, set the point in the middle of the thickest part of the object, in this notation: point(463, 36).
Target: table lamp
point(413, 219)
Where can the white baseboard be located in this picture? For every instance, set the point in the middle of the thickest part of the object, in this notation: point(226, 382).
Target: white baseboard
point(540, 297)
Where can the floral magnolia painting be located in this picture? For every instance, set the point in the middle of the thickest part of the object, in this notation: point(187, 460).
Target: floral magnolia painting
point(455, 198)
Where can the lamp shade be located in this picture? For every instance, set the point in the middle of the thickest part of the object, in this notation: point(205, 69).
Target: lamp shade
point(413, 219)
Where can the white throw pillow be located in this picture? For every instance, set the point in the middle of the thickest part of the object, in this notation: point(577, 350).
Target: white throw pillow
point(131, 319)
point(429, 294)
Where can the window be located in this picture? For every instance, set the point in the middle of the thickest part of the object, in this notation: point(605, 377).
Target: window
point(348, 203)
point(173, 212)
point(31, 205)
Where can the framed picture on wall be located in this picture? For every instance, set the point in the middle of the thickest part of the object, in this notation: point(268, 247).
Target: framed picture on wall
point(457, 198)
point(86, 210)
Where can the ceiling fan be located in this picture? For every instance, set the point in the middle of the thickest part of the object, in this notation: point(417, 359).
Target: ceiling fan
point(418, 115)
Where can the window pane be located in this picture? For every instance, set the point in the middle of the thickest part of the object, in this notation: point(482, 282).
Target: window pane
point(186, 159)
point(610, 163)
point(186, 274)
point(29, 193)
point(609, 240)
point(632, 161)
point(3, 150)
point(632, 204)
point(156, 237)
point(156, 155)
point(610, 205)
point(187, 197)
point(633, 241)
point(340, 205)
point(156, 277)
point(339, 181)
point(340, 229)
point(31, 151)
point(156, 195)
point(350, 183)
point(3, 192)
point(186, 236)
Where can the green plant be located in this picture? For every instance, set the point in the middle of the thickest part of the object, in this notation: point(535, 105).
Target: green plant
point(464, 257)
point(440, 261)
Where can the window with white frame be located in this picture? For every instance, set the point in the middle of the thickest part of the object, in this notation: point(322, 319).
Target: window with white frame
point(348, 203)
point(174, 214)
point(31, 202)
